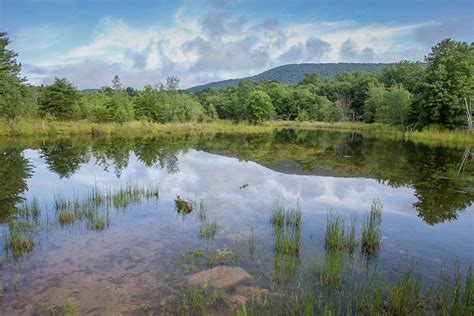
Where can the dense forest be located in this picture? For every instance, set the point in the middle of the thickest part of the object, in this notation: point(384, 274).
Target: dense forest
point(409, 95)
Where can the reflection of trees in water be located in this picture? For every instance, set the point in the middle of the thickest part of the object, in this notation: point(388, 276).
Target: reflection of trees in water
point(157, 152)
point(432, 171)
point(14, 171)
point(113, 152)
point(443, 188)
point(63, 157)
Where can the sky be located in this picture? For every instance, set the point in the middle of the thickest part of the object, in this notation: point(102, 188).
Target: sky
point(145, 41)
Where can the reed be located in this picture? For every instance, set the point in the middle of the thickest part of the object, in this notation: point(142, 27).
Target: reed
point(405, 296)
point(338, 235)
point(371, 229)
point(208, 229)
point(65, 217)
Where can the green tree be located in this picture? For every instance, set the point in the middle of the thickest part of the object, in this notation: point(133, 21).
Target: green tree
point(449, 79)
point(259, 107)
point(10, 81)
point(376, 98)
point(395, 107)
point(59, 99)
point(409, 74)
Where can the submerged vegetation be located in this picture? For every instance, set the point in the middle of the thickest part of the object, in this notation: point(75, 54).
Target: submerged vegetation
point(92, 211)
point(338, 281)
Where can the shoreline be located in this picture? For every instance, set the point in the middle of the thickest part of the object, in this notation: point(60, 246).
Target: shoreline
point(42, 128)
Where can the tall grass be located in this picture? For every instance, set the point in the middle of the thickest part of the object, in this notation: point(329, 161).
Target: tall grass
point(31, 127)
point(289, 216)
point(371, 229)
point(208, 229)
point(338, 236)
point(404, 297)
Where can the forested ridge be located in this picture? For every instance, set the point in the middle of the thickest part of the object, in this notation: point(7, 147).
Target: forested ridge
point(410, 95)
point(294, 73)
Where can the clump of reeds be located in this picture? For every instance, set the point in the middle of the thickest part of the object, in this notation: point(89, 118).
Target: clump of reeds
point(289, 216)
point(65, 217)
point(208, 229)
point(18, 243)
point(333, 269)
point(338, 235)
point(371, 235)
point(286, 222)
point(405, 296)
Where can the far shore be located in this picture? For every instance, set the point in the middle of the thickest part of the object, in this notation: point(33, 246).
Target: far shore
point(38, 127)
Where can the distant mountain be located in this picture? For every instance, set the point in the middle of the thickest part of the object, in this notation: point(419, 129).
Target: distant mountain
point(294, 73)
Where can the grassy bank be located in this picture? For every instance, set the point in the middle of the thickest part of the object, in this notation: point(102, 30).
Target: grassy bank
point(37, 127)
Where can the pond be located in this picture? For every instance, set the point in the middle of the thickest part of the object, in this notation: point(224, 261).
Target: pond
point(93, 224)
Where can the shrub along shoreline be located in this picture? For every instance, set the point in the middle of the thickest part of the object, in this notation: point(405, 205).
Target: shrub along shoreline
point(38, 127)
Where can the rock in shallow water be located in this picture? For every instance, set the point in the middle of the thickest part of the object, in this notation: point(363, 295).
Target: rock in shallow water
point(219, 277)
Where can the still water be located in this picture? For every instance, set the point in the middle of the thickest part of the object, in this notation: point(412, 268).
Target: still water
point(142, 252)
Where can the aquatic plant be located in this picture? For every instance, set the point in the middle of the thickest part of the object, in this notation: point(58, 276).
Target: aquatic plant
point(371, 229)
point(208, 229)
point(70, 308)
point(97, 222)
point(18, 243)
point(454, 298)
point(289, 216)
point(333, 269)
point(145, 306)
point(223, 255)
point(202, 211)
point(65, 217)
point(338, 236)
point(61, 203)
point(251, 243)
point(183, 206)
point(405, 296)
point(51, 308)
point(287, 241)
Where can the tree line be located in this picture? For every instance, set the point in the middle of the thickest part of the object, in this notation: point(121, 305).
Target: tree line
point(407, 94)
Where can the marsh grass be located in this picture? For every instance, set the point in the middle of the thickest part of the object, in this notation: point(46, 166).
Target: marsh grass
point(18, 242)
point(371, 235)
point(454, 297)
point(287, 241)
point(340, 236)
point(333, 269)
point(61, 203)
point(65, 217)
point(195, 300)
point(288, 216)
point(208, 229)
point(405, 297)
point(97, 223)
point(31, 127)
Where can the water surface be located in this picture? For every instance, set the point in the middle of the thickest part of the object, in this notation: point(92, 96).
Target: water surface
point(426, 192)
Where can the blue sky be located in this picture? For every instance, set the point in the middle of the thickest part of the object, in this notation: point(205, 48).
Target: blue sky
point(201, 41)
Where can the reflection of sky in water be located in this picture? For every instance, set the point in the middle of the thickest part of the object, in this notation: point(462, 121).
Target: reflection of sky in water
point(217, 179)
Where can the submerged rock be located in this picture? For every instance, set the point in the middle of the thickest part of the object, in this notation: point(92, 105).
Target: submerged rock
point(219, 277)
